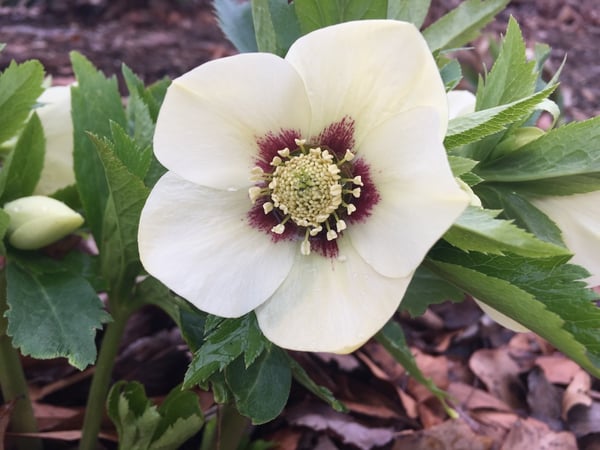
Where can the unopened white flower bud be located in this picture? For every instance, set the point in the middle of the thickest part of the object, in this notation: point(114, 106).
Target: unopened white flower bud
point(38, 221)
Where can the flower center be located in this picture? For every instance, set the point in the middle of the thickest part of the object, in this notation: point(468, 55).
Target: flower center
point(309, 186)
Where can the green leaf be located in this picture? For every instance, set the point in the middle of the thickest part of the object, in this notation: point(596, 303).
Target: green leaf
point(151, 97)
point(141, 426)
point(223, 345)
point(118, 245)
point(451, 73)
point(475, 126)
point(20, 86)
point(4, 222)
point(544, 295)
point(460, 165)
point(568, 150)
point(519, 209)
point(315, 14)
point(95, 102)
point(425, 289)
point(22, 168)
point(321, 392)
point(262, 389)
point(392, 338)
point(478, 230)
point(141, 125)
point(266, 39)
point(235, 20)
point(567, 185)
point(54, 314)
point(413, 11)
point(134, 153)
point(462, 24)
point(512, 76)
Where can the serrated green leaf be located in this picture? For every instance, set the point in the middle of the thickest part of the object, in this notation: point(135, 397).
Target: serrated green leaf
point(118, 245)
point(512, 77)
point(235, 20)
point(20, 86)
point(134, 153)
point(141, 126)
point(392, 338)
point(567, 185)
point(460, 165)
point(519, 209)
point(321, 392)
point(425, 289)
point(152, 96)
point(478, 125)
point(564, 151)
point(478, 230)
point(451, 73)
point(462, 24)
point(544, 295)
point(226, 342)
point(53, 315)
point(264, 29)
point(262, 389)
point(413, 11)
point(95, 101)
point(315, 14)
point(181, 418)
point(285, 22)
point(22, 167)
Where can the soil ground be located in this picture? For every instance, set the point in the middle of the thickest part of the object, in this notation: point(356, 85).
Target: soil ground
point(512, 391)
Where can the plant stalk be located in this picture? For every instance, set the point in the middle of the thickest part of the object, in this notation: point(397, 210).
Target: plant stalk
point(13, 382)
point(96, 404)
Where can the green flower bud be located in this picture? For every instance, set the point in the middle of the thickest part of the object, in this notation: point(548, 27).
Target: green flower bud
point(38, 221)
point(518, 139)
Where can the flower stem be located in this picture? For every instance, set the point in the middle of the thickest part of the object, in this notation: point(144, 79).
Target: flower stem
point(13, 382)
point(95, 407)
point(232, 428)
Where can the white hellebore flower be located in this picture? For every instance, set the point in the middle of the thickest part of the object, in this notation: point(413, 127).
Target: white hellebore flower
point(308, 188)
point(55, 115)
point(578, 217)
point(38, 221)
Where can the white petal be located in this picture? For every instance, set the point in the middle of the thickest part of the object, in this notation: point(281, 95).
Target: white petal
point(578, 217)
point(368, 70)
point(55, 116)
point(419, 197)
point(460, 103)
point(212, 117)
point(198, 242)
point(502, 319)
point(330, 305)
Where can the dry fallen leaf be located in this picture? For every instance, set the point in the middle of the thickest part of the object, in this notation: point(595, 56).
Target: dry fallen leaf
point(531, 434)
point(450, 435)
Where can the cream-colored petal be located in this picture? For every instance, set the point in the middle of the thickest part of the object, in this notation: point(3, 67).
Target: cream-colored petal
point(578, 217)
point(369, 70)
point(211, 117)
point(460, 103)
point(55, 116)
point(419, 196)
point(502, 319)
point(198, 242)
point(330, 305)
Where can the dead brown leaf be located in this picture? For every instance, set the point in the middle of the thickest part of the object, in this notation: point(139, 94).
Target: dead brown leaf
point(557, 368)
point(577, 392)
point(450, 435)
point(471, 398)
point(531, 434)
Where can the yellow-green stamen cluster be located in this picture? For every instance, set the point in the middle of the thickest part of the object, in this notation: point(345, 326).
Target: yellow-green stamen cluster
point(306, 185)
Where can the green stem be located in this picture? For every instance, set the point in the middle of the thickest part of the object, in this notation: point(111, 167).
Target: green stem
point(13, 382)
point(233, 427)
point(94, 411)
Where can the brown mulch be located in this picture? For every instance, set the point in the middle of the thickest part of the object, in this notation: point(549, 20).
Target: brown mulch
point(511, 391)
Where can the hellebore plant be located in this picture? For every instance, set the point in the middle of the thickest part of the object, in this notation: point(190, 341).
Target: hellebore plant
point(310, 198)
point(296, 196)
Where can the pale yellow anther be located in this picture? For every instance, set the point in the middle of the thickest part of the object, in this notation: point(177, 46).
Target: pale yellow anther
point(326, 155)
point(348, 156)
point(350, 208)
point(285, 153)
point(340, 225)
point(316, 230)
point(276, 161)
point(278, 229)
point(300, 142)
point(357, 180)
point(305, 247)
point(331, 235)
point(267, 207)
point(333, 169)
point(322, 217)
point(273, 183)
point(255, 193)
point(335, 189)
point(256, 174)
point(356, 192)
